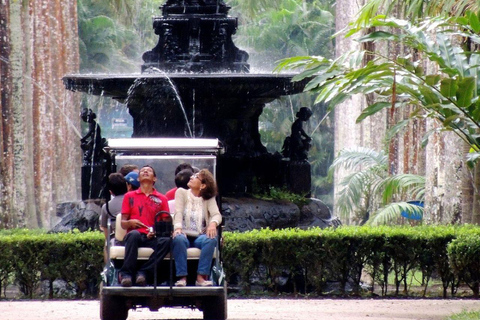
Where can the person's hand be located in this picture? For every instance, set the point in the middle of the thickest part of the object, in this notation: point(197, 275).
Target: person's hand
point(177, 232)
point(212, 230)
point(136, 224)
point(150, 235)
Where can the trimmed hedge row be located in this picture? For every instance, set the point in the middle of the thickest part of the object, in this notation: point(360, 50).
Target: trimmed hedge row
point(317, 256)
point(311, 257)
point(28, 257)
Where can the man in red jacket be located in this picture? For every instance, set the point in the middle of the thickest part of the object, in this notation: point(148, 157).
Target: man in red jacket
point(138, 215)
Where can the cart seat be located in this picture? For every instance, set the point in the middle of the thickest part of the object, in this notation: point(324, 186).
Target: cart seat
point(118, 251)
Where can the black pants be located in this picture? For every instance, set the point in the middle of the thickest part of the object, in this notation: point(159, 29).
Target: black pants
point(133, 241)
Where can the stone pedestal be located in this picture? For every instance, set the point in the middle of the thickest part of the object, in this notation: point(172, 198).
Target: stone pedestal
point(299, 179)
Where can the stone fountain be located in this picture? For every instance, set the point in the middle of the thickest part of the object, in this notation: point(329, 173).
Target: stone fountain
point(196, 83)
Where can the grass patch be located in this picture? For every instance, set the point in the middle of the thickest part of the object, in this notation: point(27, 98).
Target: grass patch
point(465, 315)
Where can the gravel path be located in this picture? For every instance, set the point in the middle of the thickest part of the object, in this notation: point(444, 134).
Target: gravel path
point(261, 309)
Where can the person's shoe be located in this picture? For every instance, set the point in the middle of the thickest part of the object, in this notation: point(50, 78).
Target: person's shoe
point(205, 283)
point(141, 281)
point(126, 282)
point(181, 283)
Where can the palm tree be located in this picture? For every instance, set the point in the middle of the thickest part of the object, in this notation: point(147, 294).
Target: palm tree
point(371, 193)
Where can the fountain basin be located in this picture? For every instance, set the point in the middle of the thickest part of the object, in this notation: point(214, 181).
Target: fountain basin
point(257, 86)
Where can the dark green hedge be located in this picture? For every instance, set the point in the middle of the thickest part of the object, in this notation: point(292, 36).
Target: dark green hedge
point(28, 257)
point(316, 256)
point(312, 257)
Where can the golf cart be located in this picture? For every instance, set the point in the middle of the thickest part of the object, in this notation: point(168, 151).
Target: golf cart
point(164, 155)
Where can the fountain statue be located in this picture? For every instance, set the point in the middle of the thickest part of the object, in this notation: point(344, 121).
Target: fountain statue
point(94, 164)
point(196, 83)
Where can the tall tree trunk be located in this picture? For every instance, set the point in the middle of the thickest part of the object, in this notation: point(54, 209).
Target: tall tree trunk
point(6, 139)
point(41, 158)
point(476, 197)
point(467, 191)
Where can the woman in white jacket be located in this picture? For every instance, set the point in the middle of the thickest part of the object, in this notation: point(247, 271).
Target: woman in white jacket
point(195, 222)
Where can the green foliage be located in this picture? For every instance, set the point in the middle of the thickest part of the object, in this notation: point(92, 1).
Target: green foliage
point(114, 34)
point(274, 193)
point(465, 261)
point(286, 28)
point(413, 9)
point(371, 192)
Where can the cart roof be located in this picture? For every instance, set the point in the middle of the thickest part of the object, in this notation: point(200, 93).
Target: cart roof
point(166, 145)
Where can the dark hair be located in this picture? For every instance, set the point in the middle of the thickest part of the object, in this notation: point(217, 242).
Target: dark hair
point(149, 166)
point(127, 168)
point(182, 178)
point(206, 177)
point(183, 166)
point(117, 184)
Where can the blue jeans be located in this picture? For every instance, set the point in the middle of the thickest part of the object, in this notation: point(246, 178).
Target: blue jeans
point(181, 243)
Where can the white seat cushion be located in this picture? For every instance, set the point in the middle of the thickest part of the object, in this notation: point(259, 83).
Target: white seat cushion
point(118, 252)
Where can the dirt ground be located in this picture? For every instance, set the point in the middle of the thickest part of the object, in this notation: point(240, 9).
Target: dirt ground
point(260, 309)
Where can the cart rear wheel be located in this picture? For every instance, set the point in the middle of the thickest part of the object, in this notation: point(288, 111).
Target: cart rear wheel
point(112, 307)
point(215, 308)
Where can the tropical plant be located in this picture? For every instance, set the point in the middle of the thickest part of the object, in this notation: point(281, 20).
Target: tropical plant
point(113, 34)
point(286, 28)
point(371, 193)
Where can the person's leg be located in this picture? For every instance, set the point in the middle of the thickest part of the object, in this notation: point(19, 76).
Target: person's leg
point(132, 242)
point(161, 247)
point(207, 246)
point(180, 245)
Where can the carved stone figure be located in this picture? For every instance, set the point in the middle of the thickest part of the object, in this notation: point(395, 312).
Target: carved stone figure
point(297, 145)
point(219, 41)
point(92, 143)
point(170, 43)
